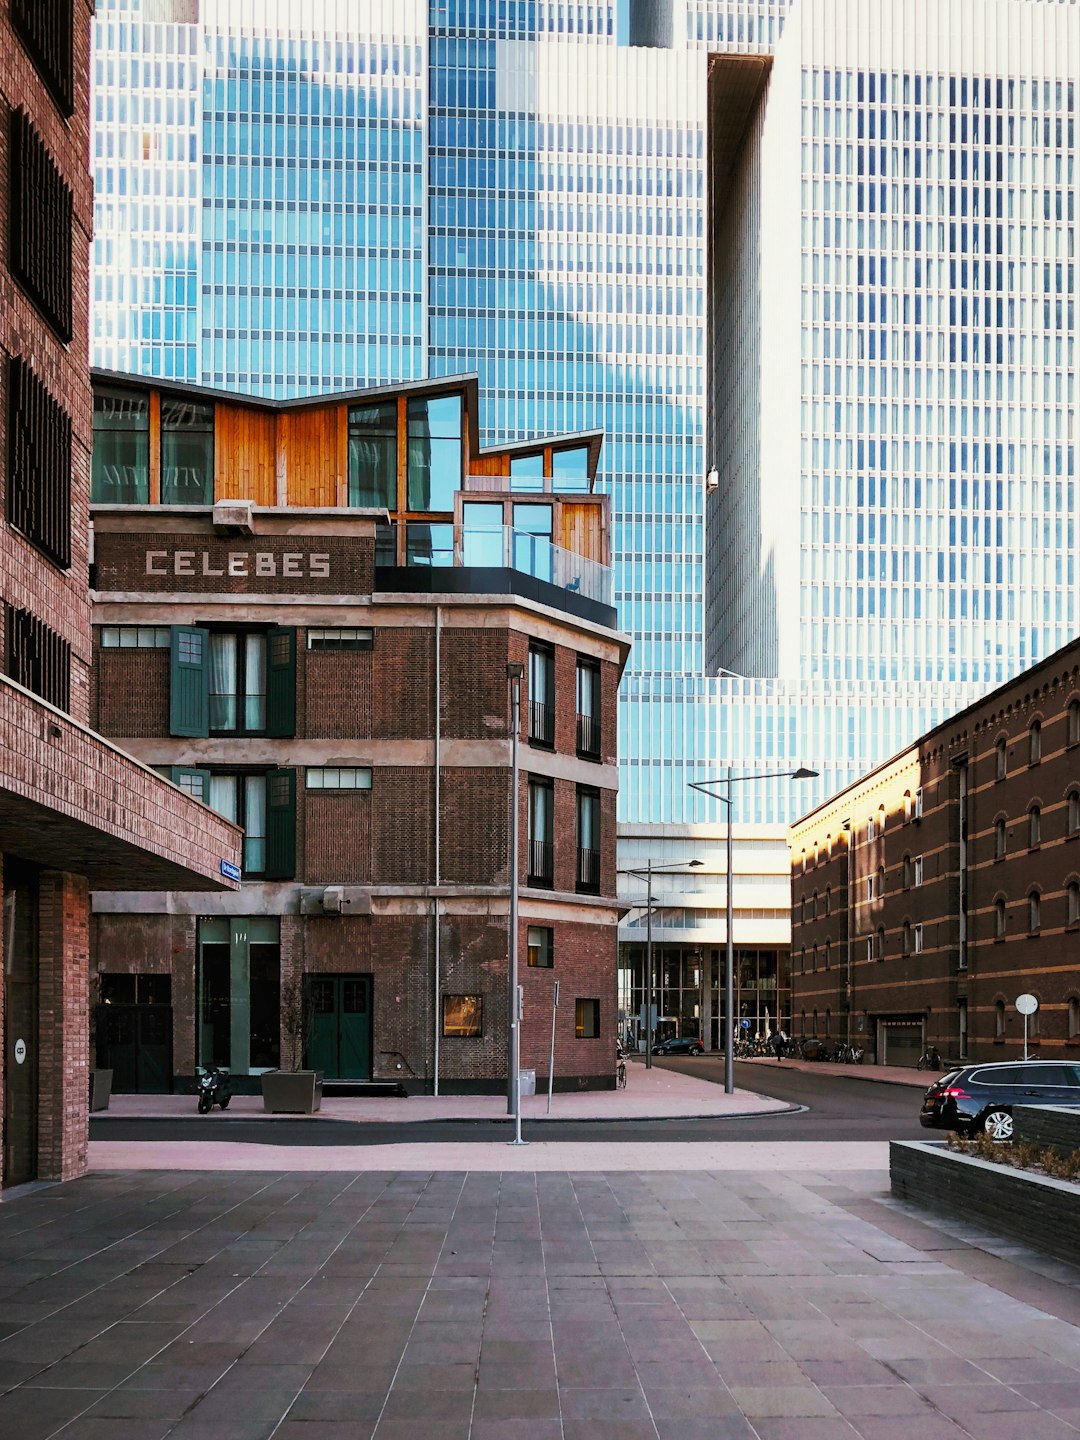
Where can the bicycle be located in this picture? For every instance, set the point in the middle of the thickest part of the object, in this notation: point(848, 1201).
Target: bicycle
point(930, 1059)
point(620, 1068)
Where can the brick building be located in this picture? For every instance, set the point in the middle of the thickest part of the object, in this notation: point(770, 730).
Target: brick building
point(955, 867)
point(75, 812)
point(304, 613)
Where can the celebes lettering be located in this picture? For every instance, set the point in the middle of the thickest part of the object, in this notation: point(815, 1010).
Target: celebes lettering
point(239, 564)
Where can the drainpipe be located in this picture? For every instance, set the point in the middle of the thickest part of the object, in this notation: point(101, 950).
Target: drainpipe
point(438, 866)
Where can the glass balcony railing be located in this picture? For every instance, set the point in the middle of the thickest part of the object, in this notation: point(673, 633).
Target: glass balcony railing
point(433, 545)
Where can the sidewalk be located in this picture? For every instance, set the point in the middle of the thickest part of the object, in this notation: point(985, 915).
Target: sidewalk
point(885, 1074)
point(656, 1094)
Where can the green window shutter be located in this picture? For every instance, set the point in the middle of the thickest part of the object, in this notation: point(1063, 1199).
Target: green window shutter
point(281, 683)
point(195, 783)
point(189, 676)
point(280, 824)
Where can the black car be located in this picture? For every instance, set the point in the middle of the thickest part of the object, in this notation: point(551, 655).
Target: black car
point(981, 1097)
point(680, 1045)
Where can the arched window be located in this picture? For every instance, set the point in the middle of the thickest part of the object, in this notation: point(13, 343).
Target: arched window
point(802, 1018)
point(1001, 759)
point(1000, 840)
point(906, 938)
point(1073, 812)
point(1072, 896)
point(869, 948)
point(813, 907)
point(1074, 1018)
point(828, 899)
point(1034, 911)
point(918, 939)
point(999, 1019)
point(917, 871)
point(828, 953)
point(828, 1021)
point(804, 862)
point(814, 958)
point(880, 943)
point(881, 882)
point(870, 828)
point(881, 819)
point(814, 1031)
point(828, 847)
point(802, 911)
point(1034, 826)
point(905, 872)
point(802, 960)
point(1035, 742)
point(999, 919)
point(1073, 729)
point(907, 806)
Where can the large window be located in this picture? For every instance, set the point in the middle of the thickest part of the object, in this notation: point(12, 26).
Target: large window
point(587, 1019)
point(588, 709)
point(434, 468)
point(541, 947)
point(227, 682)
point(532, 541)
point(40, 232)
point(588, 846)
point(120, 467)
point(262, 802)
point(373, 455)
point(482, 533)
point(237, 682)
point(541, 832)
point(39, 464)
point(38, 658)
point(46, 28)
point(541, 695)
point(570, 469)
point(463, 1016)
point(527, 472)
point(187, 452)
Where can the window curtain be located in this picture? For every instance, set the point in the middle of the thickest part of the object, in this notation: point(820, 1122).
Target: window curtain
point(223, 686)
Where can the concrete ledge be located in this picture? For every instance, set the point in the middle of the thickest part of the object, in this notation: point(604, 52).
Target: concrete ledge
point(1053, 1126)
point(1032, 1209)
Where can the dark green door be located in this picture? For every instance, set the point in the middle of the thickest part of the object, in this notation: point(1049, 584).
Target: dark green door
point(340, 1031)
point(20, 980)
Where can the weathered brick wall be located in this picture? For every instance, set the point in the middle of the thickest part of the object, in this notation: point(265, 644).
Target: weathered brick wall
point(475, 693)
point(337, 836)
point(403, 699)
point(63, 1025)
point(402, 831)
point(339, 692)
point(585, 958)
point(154, 945)
point(131, 692)
point(474, 962)
point(474, 841)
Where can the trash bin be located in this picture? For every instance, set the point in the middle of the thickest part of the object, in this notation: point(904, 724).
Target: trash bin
point(527, 1082)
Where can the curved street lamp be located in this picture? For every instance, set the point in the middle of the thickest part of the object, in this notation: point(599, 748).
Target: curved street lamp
point(646, 875)
point(706, 787)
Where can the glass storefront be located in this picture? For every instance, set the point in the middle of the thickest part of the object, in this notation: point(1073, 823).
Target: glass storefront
point(689, 988)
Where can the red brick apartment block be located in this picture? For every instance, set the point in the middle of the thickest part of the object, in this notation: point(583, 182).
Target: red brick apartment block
point(76, 814)
point(320, 652)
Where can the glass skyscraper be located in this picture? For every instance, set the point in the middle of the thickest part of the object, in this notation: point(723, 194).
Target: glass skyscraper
point(823, 249)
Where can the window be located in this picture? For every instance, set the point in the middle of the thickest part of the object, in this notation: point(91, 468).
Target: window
point(482, 539)
point(814, 906)
point(1074, 1018)
point(918, 804)
point(907, 806)
point(918, 870)
point(434, 455)
point(1035, 742)
point(587, 1019)
point(533, 554)
point(828, 899)
point(962, 1027)
point(1034, 911)
point(906, 938)
point(1000, 840)
point(802, 911)
point(39, 464)
point(227, 682)
point(46, 28)
point(588, 845)
point(462, 1016)
point(905, 872)
point(814, 958)
point(339, 777)
point(341, 639)
point(588, 709)
point(869, 948)
point(1001, 756)
point(870, 828)
point(881, 882)
point(373, 456)
point(570, 469)
point(1073, 723)
point(880, 950)
point(1072, 899)
point(870, 887)
point(40, 233)
point(1072, 813)
point(802, 960)
point(37, 658)
point(881, 820)
point(541, 695)
point(828, 953)
point(541, 831)
point(541, 947)
point(999, 919)
point(120, 463)
point(999, 1019)
point(187, 452)
point(237, 682)
point(242, 799)
point(918, 939)
point(527, 472)
point(135, 637)
point(1034, 826)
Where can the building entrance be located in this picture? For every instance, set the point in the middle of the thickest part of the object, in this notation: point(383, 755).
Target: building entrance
point(20, 1024)
point(134, 1033)
point(339, 1040)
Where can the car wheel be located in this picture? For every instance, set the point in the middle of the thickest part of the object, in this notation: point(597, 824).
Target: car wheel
point(998, 1124)
point(697, 1050)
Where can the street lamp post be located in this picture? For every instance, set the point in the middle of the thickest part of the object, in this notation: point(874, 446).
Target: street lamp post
point(515, 670)
point(705, 787)
point(647, 875)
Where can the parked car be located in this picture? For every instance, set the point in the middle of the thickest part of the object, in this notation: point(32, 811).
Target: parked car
point(680, 1045)
point(981, 1097)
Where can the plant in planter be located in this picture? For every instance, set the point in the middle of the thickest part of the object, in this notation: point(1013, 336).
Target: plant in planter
point(292, 1090)
point(101, 1078)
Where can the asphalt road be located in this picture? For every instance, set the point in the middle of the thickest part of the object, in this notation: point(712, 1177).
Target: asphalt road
point(837, 1108)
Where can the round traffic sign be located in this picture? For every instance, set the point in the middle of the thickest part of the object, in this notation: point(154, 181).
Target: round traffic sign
point(20, 1051)
point(1026, 1004)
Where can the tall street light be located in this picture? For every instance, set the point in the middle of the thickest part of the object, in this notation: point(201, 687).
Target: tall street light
point(646, 875)
point(515, 671)
point(708, 787)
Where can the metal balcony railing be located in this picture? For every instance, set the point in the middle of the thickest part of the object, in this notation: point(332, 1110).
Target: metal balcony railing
point(588, 737)
point(541, 862)
point(541, 722)
point(588, 871)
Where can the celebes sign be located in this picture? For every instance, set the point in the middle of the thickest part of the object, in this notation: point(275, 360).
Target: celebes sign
point(240, 564)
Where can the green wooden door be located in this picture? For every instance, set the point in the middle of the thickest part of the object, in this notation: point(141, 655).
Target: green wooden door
point(340, 1029)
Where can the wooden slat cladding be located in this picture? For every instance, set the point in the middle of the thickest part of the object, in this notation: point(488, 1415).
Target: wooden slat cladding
point(583, 529)
point(38, 658)
point(244, 454)
point(41, 225)
point(314, 462)
point(39, 464)
point(47, 29)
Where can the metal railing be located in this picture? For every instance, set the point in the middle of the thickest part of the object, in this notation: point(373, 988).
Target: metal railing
point(541, 722)
point(541, 862)
point(588, 736)
point(588, 871)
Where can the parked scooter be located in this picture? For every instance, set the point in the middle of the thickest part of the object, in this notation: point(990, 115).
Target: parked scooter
point(215, 1088)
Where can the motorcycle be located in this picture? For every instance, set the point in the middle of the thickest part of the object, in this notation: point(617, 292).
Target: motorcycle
point(215, 1088)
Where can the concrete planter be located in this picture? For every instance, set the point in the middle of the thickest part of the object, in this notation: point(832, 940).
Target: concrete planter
point(1053, 1126)
point(100, 1089)
point(292, 1092)
point(1032, 1209)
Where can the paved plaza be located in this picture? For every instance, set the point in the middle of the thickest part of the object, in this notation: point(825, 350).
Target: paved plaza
point(793, 1302)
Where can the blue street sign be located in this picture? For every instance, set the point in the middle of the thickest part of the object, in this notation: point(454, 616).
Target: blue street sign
point(229, 870)
point(745, 1024)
